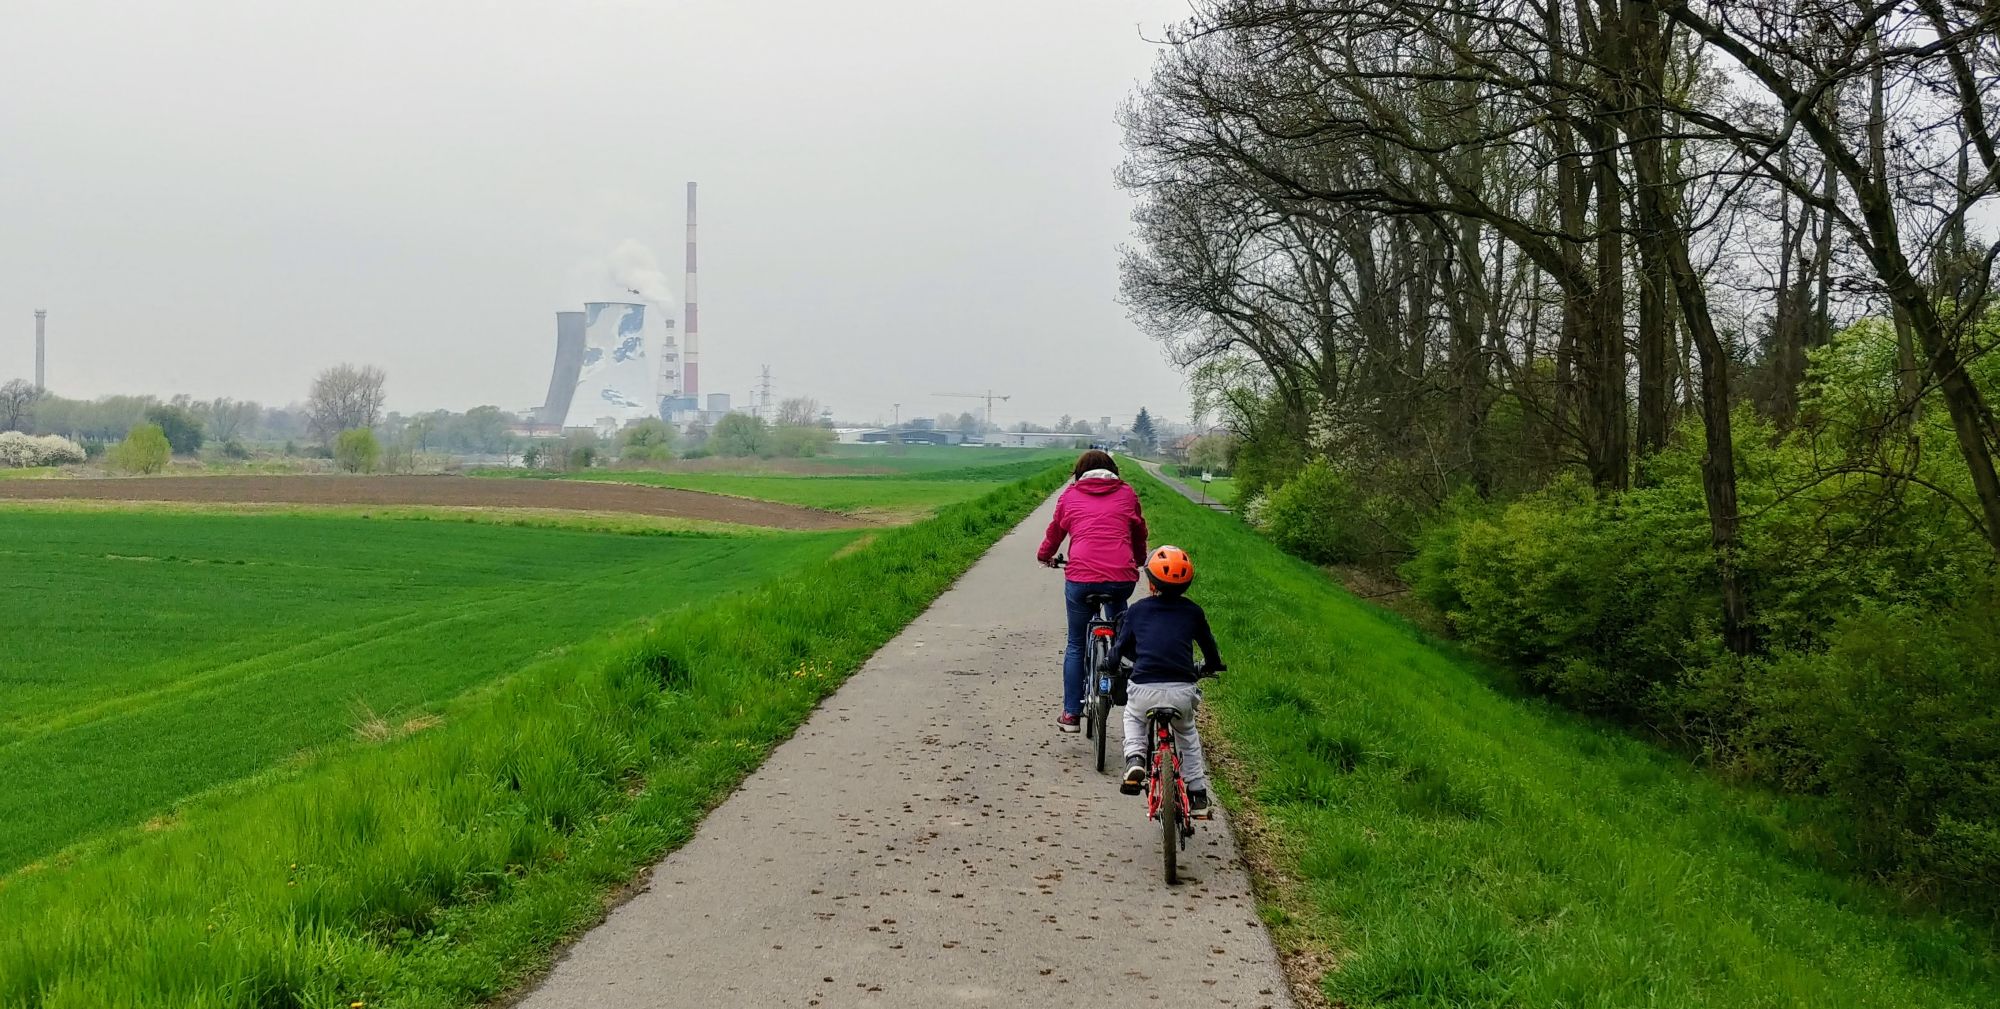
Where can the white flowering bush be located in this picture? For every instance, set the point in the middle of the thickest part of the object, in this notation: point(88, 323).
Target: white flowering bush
point(17, 449)
point(1252, 510)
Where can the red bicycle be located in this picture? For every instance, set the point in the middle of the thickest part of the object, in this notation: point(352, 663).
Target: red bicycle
point(1166, 790)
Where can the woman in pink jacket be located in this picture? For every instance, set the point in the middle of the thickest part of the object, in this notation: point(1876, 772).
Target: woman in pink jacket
point(1099, 512)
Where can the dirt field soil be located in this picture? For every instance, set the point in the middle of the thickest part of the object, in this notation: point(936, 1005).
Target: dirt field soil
point(448, 491)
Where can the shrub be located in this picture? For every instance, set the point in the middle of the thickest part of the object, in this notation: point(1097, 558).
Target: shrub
point(233, 449)
point(1311, 515)
point(801, 442)
point(740, 434)
point(649, 440)
point(1899, 719)
point(144, 450)
point(18, 449)
point(180, 425)
point(356, 450)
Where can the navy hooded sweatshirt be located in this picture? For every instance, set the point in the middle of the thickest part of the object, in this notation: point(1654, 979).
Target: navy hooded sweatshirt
point(1159, 635)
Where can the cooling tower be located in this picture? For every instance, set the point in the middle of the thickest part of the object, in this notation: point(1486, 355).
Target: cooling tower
point(569, 365)
point(617, 378)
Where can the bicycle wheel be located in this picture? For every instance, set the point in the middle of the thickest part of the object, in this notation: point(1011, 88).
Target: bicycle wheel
point(1170, 811)
point(1100, 710)
point(1095, 704)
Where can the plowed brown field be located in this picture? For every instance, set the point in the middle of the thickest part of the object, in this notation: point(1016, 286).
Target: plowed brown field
point(446, 491)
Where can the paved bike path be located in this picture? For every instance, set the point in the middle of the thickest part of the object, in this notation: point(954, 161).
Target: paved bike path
point(928, 839)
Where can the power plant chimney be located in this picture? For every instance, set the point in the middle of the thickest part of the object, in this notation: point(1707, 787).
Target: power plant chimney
point(41, 347)
point(691, 362)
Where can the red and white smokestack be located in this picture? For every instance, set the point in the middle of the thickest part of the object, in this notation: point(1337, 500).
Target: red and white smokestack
point(691, 362)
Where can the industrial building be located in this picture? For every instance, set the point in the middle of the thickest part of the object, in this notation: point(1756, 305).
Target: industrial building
point(604, 376)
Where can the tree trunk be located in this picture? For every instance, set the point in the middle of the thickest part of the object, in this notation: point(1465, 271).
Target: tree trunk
point(1659, 216)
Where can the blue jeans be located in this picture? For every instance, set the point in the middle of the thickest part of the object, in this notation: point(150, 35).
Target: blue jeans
point(1080, 615)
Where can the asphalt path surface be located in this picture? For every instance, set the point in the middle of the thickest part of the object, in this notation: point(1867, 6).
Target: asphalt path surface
point(928, 839)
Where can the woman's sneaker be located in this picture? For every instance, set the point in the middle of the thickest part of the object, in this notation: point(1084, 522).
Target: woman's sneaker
point(1135, 775)
point(1198, 807)
point(1067, 722)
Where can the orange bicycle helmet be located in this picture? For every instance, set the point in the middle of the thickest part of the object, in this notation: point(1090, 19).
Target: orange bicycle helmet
point(1170, 565)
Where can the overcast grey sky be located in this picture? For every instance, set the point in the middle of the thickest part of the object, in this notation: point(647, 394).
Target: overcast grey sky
point(898, 197)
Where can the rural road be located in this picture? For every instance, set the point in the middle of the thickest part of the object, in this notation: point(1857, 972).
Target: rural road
point(928, 839)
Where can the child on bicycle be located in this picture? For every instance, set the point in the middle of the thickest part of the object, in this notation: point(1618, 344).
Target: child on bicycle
point(1159, 636)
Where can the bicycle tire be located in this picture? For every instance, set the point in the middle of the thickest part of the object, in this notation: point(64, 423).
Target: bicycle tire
point(1170, 815)
point(1093, 701)
point(1100, 712)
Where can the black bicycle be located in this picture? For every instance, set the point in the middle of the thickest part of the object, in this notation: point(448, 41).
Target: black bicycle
point(1100, 634)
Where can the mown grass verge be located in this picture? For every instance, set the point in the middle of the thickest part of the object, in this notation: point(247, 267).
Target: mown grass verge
point(441, 866)
point(1443, 844)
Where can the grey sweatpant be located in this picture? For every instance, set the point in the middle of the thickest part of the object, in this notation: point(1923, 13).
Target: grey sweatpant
point(1143, 697)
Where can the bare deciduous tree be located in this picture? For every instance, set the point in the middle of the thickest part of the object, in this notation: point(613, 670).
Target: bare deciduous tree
point(17, 404)
point(798, 411)
point(343, 398)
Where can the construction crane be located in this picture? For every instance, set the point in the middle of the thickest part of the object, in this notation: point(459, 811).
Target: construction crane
point(988, 396)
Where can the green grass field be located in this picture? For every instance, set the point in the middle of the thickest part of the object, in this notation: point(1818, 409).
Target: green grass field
point(1445, 844)
point(439, 867)
point(151, 656)
point(917, 481)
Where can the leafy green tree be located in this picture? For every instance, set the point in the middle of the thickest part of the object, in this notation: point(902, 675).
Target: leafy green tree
point(182, 428)
point(481, 429)
point(649, 440)
point(1210, 452)
point(145, 450)
point(740, 434)
point(356, 450)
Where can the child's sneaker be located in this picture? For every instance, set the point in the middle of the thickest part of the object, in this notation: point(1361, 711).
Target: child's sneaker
point(1067, 722)
point(1135, 775)
point(1198, 807)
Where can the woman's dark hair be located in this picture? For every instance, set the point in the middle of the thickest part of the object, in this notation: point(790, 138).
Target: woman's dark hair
point(1093, 459)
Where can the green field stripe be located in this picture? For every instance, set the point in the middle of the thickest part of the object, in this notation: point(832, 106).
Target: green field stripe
point(137, 737)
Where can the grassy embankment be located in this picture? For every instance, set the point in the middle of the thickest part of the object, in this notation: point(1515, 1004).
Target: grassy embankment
point(160, 655)
point(437, 867)
point(1447, 845)
point(905, 486)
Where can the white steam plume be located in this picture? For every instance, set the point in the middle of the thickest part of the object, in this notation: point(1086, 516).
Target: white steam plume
point(629, 272)
point(635, 270)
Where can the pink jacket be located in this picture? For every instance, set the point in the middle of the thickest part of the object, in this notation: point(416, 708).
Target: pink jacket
point(1107, 534)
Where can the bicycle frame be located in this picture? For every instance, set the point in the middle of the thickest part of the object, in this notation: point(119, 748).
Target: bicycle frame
point(1163, 772)
point(1163, 744)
